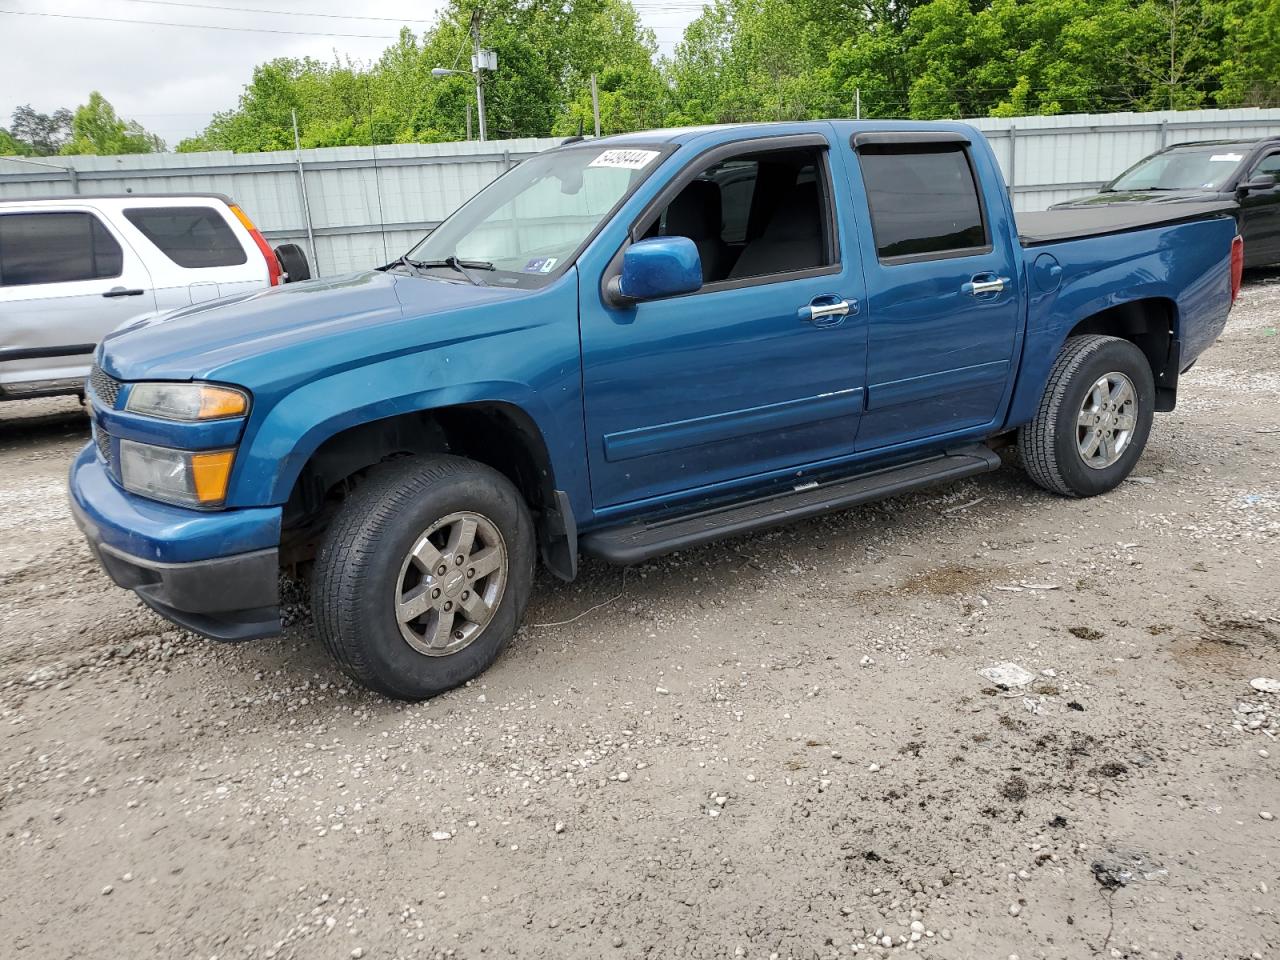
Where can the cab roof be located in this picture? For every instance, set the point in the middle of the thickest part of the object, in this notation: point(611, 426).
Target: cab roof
point(1245, 143)
point(741, 131)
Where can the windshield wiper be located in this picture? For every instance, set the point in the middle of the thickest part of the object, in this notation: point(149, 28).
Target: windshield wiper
point(464, 267)
point(404, 261)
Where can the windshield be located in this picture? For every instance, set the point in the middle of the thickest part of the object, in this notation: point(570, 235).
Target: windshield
point(528, 224)
point(1193, 168)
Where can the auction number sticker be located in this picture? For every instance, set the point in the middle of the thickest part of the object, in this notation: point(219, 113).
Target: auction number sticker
point(1226, 158)
point(625, 159)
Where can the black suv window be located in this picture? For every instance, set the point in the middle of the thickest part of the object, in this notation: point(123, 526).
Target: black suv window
point(924, 200)
point(189, 236)
point(1269, 166)
point(56, 248)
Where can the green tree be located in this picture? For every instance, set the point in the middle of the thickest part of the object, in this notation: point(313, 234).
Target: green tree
point(546, 50)
point(9, 146)
point(40, 134)
point(1251, 66)
point(96, 128)
point(743, 60)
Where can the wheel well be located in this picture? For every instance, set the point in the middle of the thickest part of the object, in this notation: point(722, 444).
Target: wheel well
point(1150, 325)
point(499, 435)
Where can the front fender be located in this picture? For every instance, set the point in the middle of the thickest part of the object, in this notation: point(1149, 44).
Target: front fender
point(296, 427)
point(522, 351)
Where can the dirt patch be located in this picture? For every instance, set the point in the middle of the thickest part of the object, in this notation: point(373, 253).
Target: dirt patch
point(1015, 788)
point(952, 580)
point(1086, 633)
point(824, 768)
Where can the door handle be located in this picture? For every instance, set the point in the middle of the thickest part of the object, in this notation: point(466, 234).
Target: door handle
point(827, 311)
point(122, 292)
point(977, 286)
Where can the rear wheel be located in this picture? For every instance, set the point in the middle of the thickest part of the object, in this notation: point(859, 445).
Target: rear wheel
point(424, 575)
point(1093, 420)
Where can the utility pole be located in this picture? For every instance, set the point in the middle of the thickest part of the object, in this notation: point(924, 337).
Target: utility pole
point(306, 203)
point(477, 64)
point(481, 60)
point(857, 103)
point(595, 104)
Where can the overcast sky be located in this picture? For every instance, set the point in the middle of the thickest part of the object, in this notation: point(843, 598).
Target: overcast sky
point(172, 79)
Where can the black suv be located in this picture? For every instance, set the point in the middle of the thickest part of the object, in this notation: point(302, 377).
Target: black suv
point(1243, 170)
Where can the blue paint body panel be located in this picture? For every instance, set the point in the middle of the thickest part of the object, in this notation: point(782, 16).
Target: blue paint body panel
point(158, 532)
point(714, 393)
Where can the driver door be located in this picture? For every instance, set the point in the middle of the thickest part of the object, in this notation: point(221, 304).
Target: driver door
point(1260, 213)
point(730, 382)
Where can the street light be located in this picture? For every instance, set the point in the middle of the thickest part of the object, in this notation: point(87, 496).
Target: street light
point(480, 60)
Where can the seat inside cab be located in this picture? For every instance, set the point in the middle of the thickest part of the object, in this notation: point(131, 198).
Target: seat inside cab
point(754, 215)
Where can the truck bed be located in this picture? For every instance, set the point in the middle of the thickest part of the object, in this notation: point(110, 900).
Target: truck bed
point(1054, 226)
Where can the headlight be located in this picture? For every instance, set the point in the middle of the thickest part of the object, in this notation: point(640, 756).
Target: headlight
point(187, 401)
point(185, 477)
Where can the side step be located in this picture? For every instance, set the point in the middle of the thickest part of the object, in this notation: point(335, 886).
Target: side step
point(634, 542)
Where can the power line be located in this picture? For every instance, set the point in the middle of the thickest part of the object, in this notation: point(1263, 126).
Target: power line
point(281, 13)
point(196, 26)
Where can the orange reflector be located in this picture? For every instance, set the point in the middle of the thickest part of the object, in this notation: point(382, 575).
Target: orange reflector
point(243, 217)
point(209, 472)
point(217, 402)
point(269, 255)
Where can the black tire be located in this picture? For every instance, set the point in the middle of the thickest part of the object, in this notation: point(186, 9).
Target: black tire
point(358, 572)
point(1049, 443)
point(293, 261)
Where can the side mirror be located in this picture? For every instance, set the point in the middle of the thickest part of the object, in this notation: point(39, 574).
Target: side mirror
point(1263, 181)
point(657, 267)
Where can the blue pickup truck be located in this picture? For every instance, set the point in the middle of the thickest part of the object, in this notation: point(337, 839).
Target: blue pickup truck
point(626, 347)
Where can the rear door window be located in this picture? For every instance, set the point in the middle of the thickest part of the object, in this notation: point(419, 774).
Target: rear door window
point(924, 201)
point(189, 236)
point(56, 248)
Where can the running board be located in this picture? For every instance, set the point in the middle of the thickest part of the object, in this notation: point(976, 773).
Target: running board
point(634, 542)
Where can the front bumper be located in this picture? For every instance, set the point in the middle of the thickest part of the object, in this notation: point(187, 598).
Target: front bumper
point(215, 573)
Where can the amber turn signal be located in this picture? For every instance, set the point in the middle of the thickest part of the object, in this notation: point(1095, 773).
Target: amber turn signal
point(209, 475)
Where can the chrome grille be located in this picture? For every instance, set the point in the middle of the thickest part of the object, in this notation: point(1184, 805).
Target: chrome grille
point(104, 386)
point(103, 440)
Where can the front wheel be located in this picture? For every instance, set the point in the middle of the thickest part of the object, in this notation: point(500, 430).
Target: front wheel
point(424, 575)
point(1093, 420)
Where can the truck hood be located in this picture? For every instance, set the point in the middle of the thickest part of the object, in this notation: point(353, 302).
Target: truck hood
point(214, 340)
point(1140, 196)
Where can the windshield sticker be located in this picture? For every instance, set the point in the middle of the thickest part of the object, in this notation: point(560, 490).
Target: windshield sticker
point(624, 159)
point(1226, 158)
point(540, 265)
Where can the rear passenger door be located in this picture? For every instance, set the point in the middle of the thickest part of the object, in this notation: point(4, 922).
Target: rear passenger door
point(194, 253)
point(942, 281)
point(66, 280)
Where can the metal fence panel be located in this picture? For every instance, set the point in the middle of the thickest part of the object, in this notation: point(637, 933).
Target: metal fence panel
point(369, 205)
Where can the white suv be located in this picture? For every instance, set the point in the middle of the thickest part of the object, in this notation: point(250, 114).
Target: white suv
point(73, 269)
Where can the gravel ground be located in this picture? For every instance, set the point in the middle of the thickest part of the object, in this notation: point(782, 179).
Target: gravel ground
point(774, 747)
